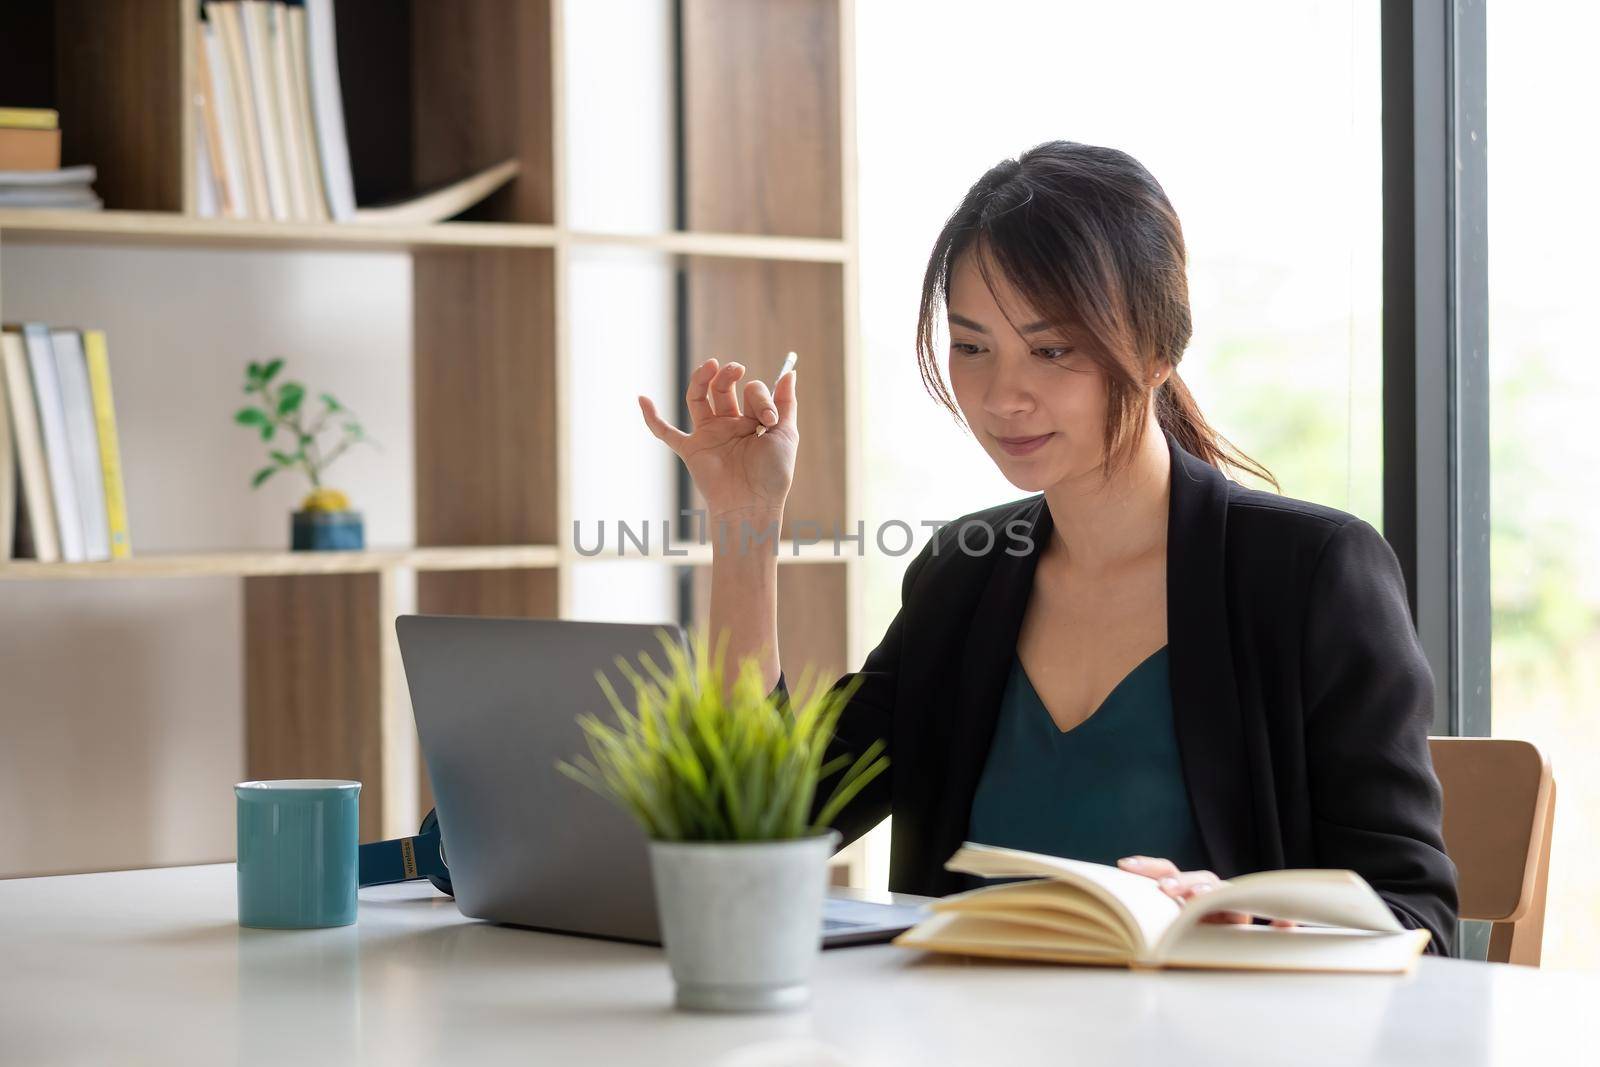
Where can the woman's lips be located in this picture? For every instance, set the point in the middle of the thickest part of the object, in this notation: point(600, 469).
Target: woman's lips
point(1021, 446)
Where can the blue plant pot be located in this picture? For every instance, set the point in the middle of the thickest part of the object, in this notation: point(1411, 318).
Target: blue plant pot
point(326, 531)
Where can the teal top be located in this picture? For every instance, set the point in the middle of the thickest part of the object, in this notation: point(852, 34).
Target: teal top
point(1112, 786)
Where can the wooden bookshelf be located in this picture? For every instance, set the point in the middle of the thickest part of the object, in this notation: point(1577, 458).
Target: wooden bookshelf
point(766, 251)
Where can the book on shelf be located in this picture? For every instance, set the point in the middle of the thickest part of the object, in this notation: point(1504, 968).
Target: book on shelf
point(29, 150)
point(442, 203)
point(52, 198)
point(321, 54)
point(35, 513)
point(57, 397)
point(221, 169)
point(297, 83)
point(53, 425)
point(1069, 911)
point(303, 198)
point(83, 445)
point(225, 22)
point(256, 24)
point(271, 125)
point(30, 118)
point(8, 474)
point(97, 357)
point(30, 139)
point(209, 190)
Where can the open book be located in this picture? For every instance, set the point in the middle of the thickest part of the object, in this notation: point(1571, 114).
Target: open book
point(1075, 912)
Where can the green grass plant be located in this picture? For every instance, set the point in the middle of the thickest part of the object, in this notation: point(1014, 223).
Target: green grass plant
point(693, 760)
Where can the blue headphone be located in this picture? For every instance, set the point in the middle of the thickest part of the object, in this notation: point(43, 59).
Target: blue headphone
point(407, 859)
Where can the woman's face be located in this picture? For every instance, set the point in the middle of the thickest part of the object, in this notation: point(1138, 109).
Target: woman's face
point(1036, 399)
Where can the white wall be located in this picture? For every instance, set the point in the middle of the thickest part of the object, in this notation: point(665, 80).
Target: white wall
point(121, 722)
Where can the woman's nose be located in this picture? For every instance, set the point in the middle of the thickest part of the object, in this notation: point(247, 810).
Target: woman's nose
point(1007, 393)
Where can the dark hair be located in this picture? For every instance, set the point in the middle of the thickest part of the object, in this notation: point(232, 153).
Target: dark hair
point(1089, 237)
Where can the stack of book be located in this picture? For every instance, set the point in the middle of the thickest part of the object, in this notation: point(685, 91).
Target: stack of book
point(61, 492)
point(31, 174)
point(271, 141)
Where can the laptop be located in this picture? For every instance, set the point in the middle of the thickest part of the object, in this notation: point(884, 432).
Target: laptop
point(496, 703)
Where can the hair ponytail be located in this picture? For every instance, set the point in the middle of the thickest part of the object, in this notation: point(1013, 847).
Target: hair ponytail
point(1180, 416)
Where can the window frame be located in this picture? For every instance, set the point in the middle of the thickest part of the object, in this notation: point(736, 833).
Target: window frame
point(1436, 340)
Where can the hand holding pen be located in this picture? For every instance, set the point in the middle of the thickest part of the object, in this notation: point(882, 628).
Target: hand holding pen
point(742, 461)
point(769, 416)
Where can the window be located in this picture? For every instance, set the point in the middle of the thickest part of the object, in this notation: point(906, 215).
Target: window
point(1263, 126)
point(1544, 514)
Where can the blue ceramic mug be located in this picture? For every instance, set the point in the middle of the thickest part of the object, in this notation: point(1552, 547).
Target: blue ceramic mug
point(297, 853)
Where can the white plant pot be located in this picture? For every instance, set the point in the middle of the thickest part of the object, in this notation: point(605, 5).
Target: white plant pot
point(742, 921)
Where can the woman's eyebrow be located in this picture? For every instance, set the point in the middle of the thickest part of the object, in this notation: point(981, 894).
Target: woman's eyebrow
point(962, 320)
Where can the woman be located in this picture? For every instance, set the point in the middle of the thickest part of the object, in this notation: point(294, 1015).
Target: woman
point(1144, 662)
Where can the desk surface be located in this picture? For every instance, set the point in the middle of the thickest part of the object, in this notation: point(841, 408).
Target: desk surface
point(150, 967)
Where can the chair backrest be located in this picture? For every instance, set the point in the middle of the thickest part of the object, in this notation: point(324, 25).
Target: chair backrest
point(1499, 809)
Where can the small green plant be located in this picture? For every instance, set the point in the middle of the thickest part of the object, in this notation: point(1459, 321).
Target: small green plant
point(692, 764)
point(281, 408)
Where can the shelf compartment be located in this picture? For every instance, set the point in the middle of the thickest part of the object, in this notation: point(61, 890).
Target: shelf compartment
point(482, 89)
point(762, 117)
point(113, 69)
point(314, 681)
point(436, 91)
point(250, 564)
point(487, 421)
point(754, 312)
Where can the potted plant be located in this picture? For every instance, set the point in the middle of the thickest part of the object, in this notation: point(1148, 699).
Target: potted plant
point(325, 520)
point(723, 784)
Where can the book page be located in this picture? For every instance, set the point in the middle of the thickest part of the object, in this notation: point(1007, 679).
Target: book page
point(1047, 904)
point(1329, 898)
point(1143, 908)
point(1221, 946)
point(1038, 894)
point(1082, 931)
point(976, 935)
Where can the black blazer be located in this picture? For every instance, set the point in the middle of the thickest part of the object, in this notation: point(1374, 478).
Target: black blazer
point(1301, 696)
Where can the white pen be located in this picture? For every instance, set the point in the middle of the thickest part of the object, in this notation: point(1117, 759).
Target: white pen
point(788, 365)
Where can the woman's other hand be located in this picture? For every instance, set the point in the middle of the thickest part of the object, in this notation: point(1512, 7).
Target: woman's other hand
point(1184, 886)
point(738, 472)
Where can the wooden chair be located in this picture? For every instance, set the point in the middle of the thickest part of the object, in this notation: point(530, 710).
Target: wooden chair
point(1499, 807)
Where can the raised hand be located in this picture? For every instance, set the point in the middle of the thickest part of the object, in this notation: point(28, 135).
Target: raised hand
point(738, 472)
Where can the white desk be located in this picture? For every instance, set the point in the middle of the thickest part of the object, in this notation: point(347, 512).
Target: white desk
point(150, 967)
